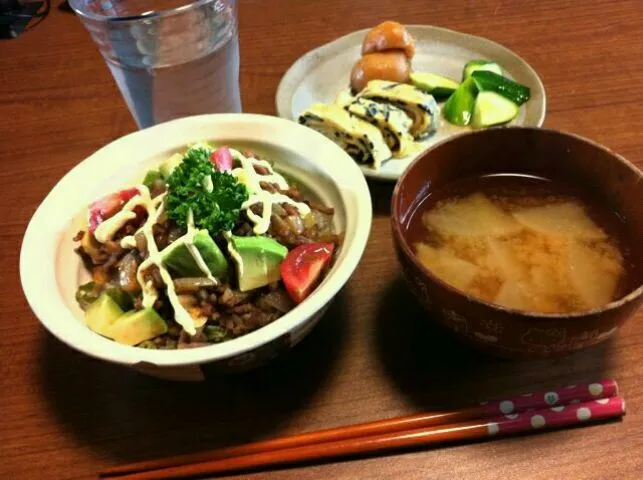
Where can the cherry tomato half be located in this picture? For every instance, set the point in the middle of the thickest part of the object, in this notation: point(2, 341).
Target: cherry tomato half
point(221, 158)
point(302, 268)
point(108, 206)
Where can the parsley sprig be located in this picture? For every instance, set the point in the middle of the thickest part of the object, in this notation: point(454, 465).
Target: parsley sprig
point(218, 210)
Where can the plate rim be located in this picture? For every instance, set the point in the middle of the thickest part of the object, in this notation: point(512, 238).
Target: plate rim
point(290, 78)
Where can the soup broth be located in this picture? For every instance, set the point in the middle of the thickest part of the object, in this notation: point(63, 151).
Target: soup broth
point(523, 242)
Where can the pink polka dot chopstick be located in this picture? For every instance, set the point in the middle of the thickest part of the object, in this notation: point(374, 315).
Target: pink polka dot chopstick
point(567, 406)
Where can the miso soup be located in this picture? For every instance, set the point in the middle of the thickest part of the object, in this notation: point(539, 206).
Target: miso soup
point(523, 242)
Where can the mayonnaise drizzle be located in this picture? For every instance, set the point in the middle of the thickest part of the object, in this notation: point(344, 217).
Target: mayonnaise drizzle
point(109, 227)
point(155, 208)
point(143, 199)
point(246, 174)
point(155, 257)
point(234, 254)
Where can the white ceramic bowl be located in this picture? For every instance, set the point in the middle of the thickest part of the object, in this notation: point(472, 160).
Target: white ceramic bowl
point(50, 270)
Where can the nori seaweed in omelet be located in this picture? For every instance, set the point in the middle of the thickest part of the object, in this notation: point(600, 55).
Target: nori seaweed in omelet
point(392, 122)
point(359, 139)
point(421, 107)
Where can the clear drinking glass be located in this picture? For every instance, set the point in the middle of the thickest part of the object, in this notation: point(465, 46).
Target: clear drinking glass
point(170, 58)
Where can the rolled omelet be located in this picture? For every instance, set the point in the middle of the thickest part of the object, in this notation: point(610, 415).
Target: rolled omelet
point(420, 106)
point(393, 122)
point(344, 98)
point(359, 139)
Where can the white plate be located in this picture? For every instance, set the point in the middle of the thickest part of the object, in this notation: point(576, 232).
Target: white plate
point(50, 271)
point(322, 73)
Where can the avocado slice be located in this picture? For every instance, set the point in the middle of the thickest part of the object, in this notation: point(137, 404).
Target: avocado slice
point(123, 299)
point(180, 261)
point(102, 313)
point(211, 254)
point(257, 260)
point(135, 327)
point(152, 176)
point(167, 167)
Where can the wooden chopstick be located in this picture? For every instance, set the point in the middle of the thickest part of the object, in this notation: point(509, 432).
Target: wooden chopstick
point(529, 421)
point(561, 396)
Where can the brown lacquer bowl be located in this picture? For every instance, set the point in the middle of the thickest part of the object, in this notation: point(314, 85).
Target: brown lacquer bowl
point(571, 159)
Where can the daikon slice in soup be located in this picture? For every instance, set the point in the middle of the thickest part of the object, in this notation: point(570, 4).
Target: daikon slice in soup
point(524, 242)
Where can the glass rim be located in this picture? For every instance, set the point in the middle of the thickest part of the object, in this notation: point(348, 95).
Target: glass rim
point(75, 5)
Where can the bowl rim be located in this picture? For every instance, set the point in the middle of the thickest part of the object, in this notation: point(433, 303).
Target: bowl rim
point(52, 311)
point(403, 244)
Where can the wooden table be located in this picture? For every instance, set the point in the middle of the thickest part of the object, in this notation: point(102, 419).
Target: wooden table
point(65, 415)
